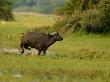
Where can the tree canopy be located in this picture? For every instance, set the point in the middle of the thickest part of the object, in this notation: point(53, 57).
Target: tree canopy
point(6, 10)
point(86, 15)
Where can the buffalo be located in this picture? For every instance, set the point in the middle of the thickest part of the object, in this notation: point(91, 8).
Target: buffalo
point(39, 41)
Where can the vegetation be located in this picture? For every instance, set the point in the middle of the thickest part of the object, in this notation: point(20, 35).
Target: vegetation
point(6, 10)
point(79, 57)
point(87, 15)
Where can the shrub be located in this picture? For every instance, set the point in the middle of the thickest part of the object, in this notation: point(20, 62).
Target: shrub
point(93, 20)
point(69, 23)
point(87, 15)
point(6, 10)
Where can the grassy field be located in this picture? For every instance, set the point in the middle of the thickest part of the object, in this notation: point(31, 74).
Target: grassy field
point(78, 58)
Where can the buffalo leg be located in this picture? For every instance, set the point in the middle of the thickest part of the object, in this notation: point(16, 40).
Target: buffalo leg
point(22, 51)
point(44, 52)
point(39, 52)
point(22, 47)
point(27, 47)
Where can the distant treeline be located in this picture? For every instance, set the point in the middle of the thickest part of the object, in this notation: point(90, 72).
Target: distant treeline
point(41, 6)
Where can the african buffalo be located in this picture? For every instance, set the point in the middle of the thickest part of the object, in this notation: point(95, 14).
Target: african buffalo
point(39, 41)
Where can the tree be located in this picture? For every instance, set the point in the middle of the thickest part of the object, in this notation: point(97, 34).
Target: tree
point(86, 15)
point(6, 10)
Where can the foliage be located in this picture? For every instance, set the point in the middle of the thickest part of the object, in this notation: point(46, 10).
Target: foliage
point(5, 10)
point(93, 21)
point(89, 15)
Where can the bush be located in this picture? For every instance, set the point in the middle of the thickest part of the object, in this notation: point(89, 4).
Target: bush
point(93, 20)
point(6, 10)
point(95, 17)
point(69, 23)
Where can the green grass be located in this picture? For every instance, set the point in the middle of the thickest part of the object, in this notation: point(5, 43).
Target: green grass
point(78, 58)
point(48, 68)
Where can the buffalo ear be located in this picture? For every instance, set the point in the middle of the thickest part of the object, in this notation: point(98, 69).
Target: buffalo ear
point(53, 33)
